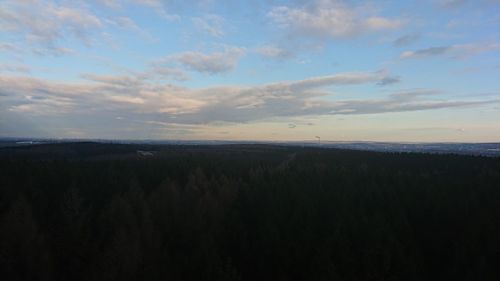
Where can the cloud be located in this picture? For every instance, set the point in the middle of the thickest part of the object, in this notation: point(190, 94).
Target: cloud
point(159, 7)
point(151, 3)
point(413, 94)
point(98, 95)
point(128, 23)
point(110, 3)
point(16, 67)
point(467, 50)
point(330, 19)
point(452, 51)
point(432, 51)
point(43, 26)
point(406, 40)
point(389, 80)
point(95, 102)
point(210, 24)
point(112, 80)
point(165, 72)
point(455, 4)
point(348, 78)
point(212, 63)
point(126, 99)
point(45, 23)
point(152, 73)
point(9, 47)
point(274, 52)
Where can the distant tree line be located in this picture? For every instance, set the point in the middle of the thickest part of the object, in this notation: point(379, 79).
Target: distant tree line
point(99, 212)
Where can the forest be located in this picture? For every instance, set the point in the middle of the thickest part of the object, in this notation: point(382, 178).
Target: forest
point(102, 211)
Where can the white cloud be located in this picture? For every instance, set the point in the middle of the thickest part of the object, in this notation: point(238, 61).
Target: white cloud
point(330, 19)
point(212, 63)
point(43, 26)
point(126, 99)
point(44, 23)
point(274, 52)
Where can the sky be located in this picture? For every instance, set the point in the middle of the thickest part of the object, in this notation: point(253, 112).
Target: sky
point(275, 70)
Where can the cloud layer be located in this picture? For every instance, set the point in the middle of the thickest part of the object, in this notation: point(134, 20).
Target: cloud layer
point(133, 99)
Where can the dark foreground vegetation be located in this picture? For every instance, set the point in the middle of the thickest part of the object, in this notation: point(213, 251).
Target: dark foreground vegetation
point(91, 211)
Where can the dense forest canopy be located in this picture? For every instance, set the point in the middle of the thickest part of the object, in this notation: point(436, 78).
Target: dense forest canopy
point(88, 211)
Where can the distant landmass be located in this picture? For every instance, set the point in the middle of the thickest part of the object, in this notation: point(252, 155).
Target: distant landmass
point(479, 149)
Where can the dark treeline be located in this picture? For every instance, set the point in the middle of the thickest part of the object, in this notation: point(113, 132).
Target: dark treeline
point(246, 212)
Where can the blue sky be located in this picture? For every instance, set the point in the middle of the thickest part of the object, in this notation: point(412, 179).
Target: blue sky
point(251, 70)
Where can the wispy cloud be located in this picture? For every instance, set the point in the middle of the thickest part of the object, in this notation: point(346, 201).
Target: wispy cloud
point(152, 3)
point(9, 47)
point(128, 23)
point(427, 52)
point(115, 4)
point(45, 23)
point(159, 7)
point(406, 40)
point(386, 81)
point(115, 81)
point(211, 24)
point(152, 73)
point(331, 19)
point(211, 63)
point(452, 51)
point(456, 4)
point(14, 67)
point(44, 26)
point(165, 72)
point(274, 52)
